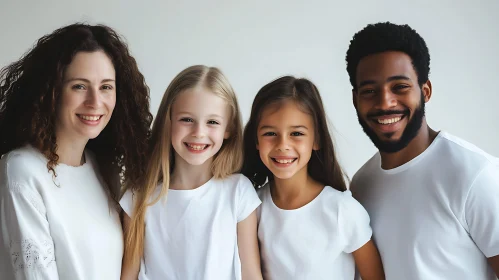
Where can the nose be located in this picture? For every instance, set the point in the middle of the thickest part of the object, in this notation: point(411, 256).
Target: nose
point(199, 130)
point(93, 98)
point(283, 143)
point(386, 99)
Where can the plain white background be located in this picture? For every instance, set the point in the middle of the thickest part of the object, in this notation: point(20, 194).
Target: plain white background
point(254, 42)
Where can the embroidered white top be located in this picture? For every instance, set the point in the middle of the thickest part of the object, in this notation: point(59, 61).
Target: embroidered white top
point(69, 231)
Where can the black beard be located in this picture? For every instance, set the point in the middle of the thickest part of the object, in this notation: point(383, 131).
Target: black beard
point(410, 131)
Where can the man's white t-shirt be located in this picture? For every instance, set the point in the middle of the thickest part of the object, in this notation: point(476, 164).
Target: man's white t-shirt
point(437, 216)
point(62, 228)
point(193, 233)
point(312, 242)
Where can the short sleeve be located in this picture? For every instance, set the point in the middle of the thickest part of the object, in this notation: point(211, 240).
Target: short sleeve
point(354, 223)
point(247, 199)
point(482, 211)
point(126, 202)
point(25, 234)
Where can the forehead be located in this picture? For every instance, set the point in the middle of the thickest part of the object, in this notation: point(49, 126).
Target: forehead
point(90, 65)
point(381, 66)
point(286, 113)
point(200, 101)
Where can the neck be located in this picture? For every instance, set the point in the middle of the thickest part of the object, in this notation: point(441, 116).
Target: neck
point(187, 177)
point(70, 150)
point(417, 146)
point(295, 192)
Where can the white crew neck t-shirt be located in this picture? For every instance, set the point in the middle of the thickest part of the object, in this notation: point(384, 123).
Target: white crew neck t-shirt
point(193, 234)
point(312, 242)
point(437, 216)
point(48, 232)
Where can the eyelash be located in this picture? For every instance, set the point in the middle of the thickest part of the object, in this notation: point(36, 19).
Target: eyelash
point(210, 122)
point(296, 133)
point(82, 87)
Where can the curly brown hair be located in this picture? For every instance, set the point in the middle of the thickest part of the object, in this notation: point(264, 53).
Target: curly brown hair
point(30, 89)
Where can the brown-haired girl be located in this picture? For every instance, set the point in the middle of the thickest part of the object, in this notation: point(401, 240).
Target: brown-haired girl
point(309, 225)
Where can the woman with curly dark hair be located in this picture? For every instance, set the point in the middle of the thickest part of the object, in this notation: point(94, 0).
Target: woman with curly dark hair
point(74, 122)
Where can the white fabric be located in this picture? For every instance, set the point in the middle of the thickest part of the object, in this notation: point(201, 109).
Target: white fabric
point(192, 235)
point(70, 231)
point(312, 242)
point(437, 216)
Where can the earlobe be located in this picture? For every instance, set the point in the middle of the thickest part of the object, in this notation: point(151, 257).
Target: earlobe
point(316, 147)
point(427, 91)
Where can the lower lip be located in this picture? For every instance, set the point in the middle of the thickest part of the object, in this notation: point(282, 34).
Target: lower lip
point(91, 123)
point(196, 151)
point(282, 165)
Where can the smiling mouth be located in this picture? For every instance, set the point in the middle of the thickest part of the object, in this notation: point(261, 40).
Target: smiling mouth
point(389, 121)
point(196, 147)
point(284, 161)
point(89, 118)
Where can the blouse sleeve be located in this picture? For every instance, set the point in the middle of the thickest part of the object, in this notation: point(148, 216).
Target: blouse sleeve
point(25, 234)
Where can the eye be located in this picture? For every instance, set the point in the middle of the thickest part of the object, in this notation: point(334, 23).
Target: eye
point(400, 87)
point(367, 91)
point(297, 133)
point(78, 87)
point(107, 87)
point(186, 120)
point(269, 134)
point(213, 122)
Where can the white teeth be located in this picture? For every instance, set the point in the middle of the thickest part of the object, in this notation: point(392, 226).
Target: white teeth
point(284, 160)
point(89, 118)
point(197, 147)
point(389, 121)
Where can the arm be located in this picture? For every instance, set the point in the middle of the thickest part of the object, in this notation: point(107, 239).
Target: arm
point(29, 249)
point(247, 242)
point(128, 272)
point(494, 263)
point(480, 213)
point(368, 262)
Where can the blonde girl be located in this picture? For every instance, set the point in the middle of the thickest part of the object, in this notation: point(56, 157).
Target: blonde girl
point(192, 217)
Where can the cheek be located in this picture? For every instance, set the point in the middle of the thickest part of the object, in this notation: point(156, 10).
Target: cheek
point(177, 131)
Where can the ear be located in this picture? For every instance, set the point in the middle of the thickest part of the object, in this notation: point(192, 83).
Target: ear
point(354, 98)
point(227, 135)
point(426, 89)
point(316, 146)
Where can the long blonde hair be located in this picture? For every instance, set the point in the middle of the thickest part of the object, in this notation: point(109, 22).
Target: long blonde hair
point(160, 155)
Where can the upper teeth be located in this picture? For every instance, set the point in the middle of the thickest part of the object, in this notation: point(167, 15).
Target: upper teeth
point(284, 160)
point(196, 147)
point(90, 118)
point(389, 121)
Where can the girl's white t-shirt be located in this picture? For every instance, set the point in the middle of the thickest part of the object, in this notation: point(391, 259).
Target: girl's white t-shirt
point(192, 234)
point(314, 241)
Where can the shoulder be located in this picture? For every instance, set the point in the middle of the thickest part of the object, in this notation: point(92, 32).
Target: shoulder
point(23, 166)
point(366, 170)
point(235, 182)
point(462, 158)
point(342, 202)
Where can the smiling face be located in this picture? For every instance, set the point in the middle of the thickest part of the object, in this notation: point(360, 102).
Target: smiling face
point(389, 102)
point(88, 97)
point(286, 139)
point(199, 125)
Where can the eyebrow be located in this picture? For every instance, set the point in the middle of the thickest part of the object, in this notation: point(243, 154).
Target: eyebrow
point(293, 127)
point(209, 116)
point(392, 78)
point(87, 81)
